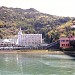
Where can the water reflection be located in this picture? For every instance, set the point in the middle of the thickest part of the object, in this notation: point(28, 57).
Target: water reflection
point(32, 64)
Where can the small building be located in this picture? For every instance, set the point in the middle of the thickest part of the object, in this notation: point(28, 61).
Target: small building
point(7, 42)
point(65, 41)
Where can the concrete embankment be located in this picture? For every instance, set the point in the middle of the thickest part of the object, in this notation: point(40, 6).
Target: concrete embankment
point(32, 51)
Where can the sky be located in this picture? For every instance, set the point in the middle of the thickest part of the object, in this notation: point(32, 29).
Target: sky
point(53, 7)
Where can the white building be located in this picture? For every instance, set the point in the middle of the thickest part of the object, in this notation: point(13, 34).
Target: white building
point(29, 39)
point(7, 42)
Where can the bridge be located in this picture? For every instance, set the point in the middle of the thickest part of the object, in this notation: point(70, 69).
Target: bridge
point(54, 45)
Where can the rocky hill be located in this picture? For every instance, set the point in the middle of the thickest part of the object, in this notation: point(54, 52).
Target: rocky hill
point(30, 20)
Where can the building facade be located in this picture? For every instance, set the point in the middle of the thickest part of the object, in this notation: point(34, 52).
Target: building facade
point(29, 39)
point(65, 41)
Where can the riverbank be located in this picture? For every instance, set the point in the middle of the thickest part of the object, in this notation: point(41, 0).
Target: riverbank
point(32, 51)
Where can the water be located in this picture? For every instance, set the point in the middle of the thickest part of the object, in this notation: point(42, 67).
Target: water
point(36, 64)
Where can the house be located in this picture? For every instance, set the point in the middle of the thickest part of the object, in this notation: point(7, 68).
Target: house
point(7, 42)
point(65, 41)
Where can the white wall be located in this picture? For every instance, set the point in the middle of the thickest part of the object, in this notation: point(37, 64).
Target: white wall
point(30, 39)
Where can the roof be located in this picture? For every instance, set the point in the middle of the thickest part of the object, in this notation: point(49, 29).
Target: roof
point(6, 40)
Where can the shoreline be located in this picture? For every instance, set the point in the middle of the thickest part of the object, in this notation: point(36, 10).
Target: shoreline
point(30, 51)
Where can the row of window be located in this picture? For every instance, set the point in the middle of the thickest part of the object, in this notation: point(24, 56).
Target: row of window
point(65, 44)
point(6, 44)
point(30, 42)
point(64, 40)
point(29, 37)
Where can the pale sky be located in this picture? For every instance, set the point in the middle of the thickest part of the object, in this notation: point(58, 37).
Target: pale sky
point(53, 7)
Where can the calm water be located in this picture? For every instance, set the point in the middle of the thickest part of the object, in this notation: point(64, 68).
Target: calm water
point(34, 64)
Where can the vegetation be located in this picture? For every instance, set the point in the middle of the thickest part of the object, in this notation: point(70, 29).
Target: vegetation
point(32, 21)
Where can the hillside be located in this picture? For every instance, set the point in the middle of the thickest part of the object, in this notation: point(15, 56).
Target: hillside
point(30, 20)
point(63, 29)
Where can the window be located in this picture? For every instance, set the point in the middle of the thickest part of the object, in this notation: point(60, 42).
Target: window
point(71, 36)
point(35, 42)
point(32, 42)
point(62, 40)
point(67, 40)
point(68, 44)
point(63, 44)
point(25, 43)
point(28, 42)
